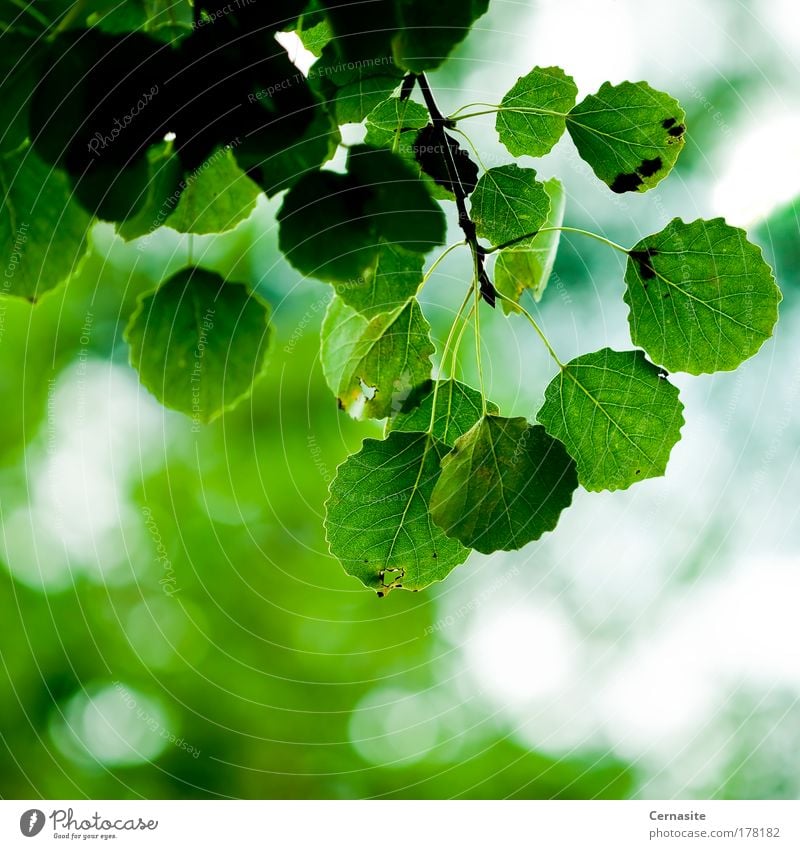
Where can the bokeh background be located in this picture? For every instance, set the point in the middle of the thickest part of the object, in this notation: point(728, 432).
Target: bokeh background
point(171, 624)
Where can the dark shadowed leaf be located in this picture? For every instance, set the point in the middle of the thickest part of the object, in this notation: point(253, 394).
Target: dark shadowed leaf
point(503, 485)
point(199, 342)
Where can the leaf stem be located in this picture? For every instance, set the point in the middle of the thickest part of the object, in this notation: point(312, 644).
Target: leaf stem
point(468, 140)
point(523, 110)
point(578, 230)
point(75, 10)
point(445, 349)
point(535, 325)
point(436, 262)
point(477, 324)
point(459, 339)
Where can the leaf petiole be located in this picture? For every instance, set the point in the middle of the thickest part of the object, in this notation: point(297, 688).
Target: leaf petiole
point(535, 326)
point(476, 288)
point(526, 110)
point(436, 262)
point(445, 350)
point(578, 230)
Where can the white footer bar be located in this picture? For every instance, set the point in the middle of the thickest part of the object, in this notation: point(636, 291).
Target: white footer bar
point(404, 824)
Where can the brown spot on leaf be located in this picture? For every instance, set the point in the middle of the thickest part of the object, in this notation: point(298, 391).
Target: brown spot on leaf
point(650, 167)
point(669, 122)
point(644, 259)
point(677, 132)
point(626, 183)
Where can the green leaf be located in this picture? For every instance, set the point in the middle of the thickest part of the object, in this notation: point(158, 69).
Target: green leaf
point(356, 83)
point(162, 191)
point(629, 133)
point(283, 167)
point(324, 230)
point(42, 230)
point(389, 282)
point(356, 100)
point(518, 269)
point(316, 36)
point(399, 130)
point(430, 30)
point(377, 520)
point(35, 15)
point(217, 197)
point(118, 18)
point(617, 415)
point(533, 112)
point(390, 119)
point(372, 366)
point(403, 211)
point(342, 327)
point(509, 203)
point(199, 342)
point(19, 74)
point(701, 296)
point(503, 485)
point(331, 225)
point(458, 408)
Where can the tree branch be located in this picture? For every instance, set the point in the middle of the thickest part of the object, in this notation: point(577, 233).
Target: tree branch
point(440, 124)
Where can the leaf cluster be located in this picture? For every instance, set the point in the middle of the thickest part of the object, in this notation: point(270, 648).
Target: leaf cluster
point(151, 114)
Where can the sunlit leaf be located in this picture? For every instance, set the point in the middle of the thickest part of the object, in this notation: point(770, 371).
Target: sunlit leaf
point(629, 133)
point(389, 282)
point(389, 120)
point(618, 416)
point(532, 114)
point(530, 267)
point(508, 203)
point(701, 296)
point(458, 408)
point(377, 520)
point(217, 197)
point(373, 366)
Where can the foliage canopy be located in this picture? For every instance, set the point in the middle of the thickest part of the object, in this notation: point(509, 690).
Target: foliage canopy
point(150, 114)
